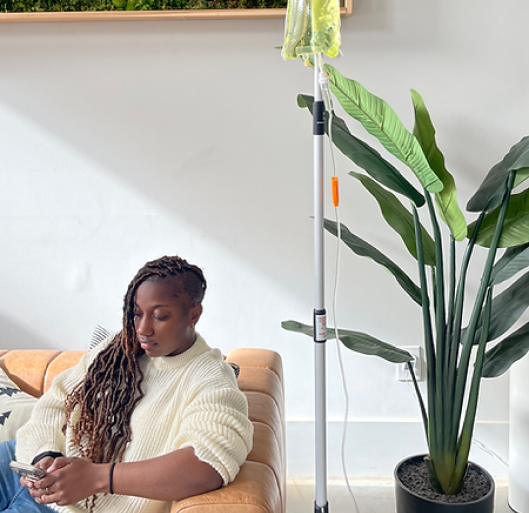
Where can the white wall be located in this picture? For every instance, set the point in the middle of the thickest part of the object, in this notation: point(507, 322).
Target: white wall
point(123, 141)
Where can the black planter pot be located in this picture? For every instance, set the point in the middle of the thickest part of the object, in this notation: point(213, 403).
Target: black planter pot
point(408, 501)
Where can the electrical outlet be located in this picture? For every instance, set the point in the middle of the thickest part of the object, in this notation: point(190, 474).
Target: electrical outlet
point(417, 363)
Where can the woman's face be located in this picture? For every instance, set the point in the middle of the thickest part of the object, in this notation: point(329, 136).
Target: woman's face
point(162, 326)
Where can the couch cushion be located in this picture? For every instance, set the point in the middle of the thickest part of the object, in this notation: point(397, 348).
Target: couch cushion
point(62, 362)
point(99, 335)
point(27, 368)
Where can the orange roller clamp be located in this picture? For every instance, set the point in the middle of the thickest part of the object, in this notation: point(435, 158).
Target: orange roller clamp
point(335, 191)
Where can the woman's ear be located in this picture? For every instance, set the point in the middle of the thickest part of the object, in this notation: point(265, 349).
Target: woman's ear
point(194, 314)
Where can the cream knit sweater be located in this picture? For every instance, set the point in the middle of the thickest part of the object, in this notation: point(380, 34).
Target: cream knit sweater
point(191, 400)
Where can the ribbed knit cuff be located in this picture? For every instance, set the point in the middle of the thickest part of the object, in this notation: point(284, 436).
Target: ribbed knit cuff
point(42, 455)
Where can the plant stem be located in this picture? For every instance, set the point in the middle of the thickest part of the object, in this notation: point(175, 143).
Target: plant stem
point(451, 306)
point(440, 328)
point(458, 319)
point(468, 425)
point(428, 337)
point(478, 304)
point(420, 399)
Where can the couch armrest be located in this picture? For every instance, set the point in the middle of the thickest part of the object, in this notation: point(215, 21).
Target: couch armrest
point(254, 490)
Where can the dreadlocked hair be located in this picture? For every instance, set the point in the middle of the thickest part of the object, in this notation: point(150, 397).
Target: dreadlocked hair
point(107, 396)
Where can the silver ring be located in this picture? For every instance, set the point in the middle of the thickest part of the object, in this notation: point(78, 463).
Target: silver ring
point(47, 490)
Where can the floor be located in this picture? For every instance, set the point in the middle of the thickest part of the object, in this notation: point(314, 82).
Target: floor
point(371, 497)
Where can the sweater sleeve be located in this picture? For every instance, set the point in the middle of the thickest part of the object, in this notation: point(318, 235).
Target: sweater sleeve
point(216, 425)
point(43, 431)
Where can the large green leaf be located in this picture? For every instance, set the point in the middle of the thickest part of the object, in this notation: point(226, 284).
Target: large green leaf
point(446, 200)
point(490, 192)
point(512, 262)
point(356, 341)
point(515, 228)
point(399, 218)
point(363, 248)
point(366, 157)
point(499, 359)
point(379, 119)
point(507, 308)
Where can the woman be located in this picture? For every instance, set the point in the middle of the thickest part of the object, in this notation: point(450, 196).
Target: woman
point(152, 417)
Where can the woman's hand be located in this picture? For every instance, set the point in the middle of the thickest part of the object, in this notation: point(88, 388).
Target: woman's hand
point(44, 464)
point(70, 480)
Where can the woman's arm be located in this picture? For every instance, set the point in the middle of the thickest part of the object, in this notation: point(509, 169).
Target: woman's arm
point(171, 477)
point(43, 432)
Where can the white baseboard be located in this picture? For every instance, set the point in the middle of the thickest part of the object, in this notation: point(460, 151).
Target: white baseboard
point(373, 448)
point(371, 496)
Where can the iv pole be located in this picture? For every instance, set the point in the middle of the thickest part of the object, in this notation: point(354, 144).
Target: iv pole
point(320, 324)
point(307, 32)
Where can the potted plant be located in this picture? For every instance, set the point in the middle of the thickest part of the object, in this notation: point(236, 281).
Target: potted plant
point(501, 225)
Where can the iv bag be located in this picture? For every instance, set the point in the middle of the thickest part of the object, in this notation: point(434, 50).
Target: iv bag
point(312, 26)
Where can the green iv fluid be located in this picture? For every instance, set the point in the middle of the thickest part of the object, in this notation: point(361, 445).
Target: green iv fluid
point(312, 26)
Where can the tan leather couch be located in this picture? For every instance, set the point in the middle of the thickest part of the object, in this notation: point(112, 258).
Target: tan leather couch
point(260, 485)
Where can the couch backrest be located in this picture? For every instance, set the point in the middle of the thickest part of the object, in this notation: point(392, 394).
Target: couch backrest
point(33, 370)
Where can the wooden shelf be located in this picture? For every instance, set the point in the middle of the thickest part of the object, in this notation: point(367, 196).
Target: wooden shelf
point(199, 14)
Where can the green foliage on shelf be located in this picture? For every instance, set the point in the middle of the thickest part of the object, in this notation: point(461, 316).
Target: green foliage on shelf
point(133, 5)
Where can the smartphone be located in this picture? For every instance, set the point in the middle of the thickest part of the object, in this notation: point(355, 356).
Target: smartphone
point(30, 472)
